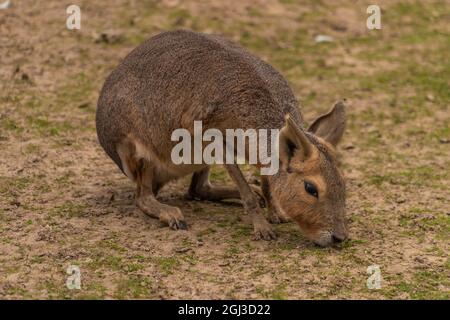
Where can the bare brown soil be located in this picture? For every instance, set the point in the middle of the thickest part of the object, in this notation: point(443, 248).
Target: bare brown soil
point(63, 202)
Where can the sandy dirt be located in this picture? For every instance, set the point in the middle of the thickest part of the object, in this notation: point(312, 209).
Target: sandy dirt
point(63, 201)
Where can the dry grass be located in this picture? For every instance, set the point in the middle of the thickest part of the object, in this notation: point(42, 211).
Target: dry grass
point(63, 202)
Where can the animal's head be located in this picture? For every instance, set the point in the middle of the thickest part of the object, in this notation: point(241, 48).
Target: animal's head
point(309, 188)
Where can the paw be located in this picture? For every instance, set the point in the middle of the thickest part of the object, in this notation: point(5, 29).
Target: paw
point(263, 231)
point(277, 219)
point(173, 217)
point(168, 215)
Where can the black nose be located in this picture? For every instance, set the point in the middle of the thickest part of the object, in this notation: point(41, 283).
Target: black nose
point(337, 239)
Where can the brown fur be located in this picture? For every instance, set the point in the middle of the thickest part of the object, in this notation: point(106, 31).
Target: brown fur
point(177, 77)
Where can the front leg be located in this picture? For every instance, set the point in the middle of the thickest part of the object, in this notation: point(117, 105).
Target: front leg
point(146, 200)
point(275, 214)
point(262, 229)
point(202, 189)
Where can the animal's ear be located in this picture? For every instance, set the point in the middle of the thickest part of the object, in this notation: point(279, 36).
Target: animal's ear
point(331, 125)
point(292, 138)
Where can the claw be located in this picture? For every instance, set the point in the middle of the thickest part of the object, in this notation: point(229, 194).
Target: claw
point(274, 219)
point(256, 236)
point(277, 219)
point(264, 233)
point(178, 225)
point(173, 225)
point(182, 225)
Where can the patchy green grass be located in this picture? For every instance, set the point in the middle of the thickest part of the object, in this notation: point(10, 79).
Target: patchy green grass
point(62, 201)
point(135, 287)
point(167, 264)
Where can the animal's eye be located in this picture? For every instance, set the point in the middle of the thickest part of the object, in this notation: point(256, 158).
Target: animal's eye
point(311, 189)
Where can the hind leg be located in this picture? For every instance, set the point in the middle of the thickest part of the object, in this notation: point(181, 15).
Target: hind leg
point(142, 172)
point(201, 188)
point(261, 228)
